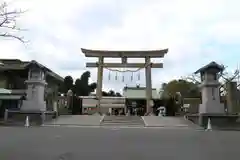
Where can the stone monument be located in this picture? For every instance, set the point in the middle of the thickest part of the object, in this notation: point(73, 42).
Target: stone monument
point(210, 89)
point(35, 90)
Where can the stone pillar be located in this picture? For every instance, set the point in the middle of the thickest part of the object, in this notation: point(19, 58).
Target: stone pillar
point(232, 97)
point(99, 82)
point(148, 85)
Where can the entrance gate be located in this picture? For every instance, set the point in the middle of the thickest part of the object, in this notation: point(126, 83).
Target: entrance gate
point(124, 55)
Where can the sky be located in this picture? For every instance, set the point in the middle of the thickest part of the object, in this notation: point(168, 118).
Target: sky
point(195, 32)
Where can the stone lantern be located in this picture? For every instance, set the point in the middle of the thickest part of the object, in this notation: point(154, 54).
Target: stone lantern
point(210, 89)
point(35, 88)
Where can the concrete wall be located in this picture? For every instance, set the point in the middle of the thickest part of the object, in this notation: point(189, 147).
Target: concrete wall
point(113, 100)
point(106, 103)
point(194, 104)
point(193, 108)
point(89, 102)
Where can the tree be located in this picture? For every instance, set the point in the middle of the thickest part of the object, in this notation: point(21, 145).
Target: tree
point(68, 84)
point(111, 93)
point(8, 25)
point(164, 85)
point(105, 94)
point(82, 86)
point(77, 88)
point(118, 94)
point(185, 88)
point(93, 86)
point(174, 92)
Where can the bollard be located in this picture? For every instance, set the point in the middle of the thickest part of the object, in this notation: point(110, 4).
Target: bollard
point(27, 122)
point(6, 115)
point(209, 125)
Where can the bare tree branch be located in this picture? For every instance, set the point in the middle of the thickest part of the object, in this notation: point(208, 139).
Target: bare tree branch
point(12, 36)
point(8, 25)
point(229, 78)
point(193, 78)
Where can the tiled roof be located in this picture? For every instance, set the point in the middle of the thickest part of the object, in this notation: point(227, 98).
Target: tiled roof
point(16, 64)
point(210, 65)
point(12, 64)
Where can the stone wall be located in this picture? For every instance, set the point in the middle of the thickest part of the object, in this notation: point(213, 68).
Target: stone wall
point(194, 104)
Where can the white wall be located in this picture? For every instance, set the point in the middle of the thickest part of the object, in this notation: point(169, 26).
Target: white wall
point(105, 102)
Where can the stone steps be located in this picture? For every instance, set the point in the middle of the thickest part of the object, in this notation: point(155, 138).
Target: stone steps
point(174, 122)
point(122, 121)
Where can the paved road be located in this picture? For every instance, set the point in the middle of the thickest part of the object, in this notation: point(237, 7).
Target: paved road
point(54, 143)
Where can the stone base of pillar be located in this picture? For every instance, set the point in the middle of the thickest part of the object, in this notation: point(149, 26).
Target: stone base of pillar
point(213, 107)
point(31, 105)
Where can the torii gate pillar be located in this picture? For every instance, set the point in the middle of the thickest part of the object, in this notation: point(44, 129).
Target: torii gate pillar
point(99, 80)
point(148, 76)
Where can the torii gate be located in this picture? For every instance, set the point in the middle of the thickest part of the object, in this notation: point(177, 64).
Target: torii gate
point(101, 54)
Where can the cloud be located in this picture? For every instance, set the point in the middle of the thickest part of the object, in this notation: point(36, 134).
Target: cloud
point(196, 32)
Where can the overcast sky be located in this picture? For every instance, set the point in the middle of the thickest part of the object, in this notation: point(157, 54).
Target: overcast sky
point(195, 31)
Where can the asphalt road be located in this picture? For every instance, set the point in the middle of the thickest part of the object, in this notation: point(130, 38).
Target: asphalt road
point(52, 143)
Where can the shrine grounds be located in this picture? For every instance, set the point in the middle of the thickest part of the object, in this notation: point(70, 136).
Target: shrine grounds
point(74, 143)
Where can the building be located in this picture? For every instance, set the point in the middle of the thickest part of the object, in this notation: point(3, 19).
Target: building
point(136, 98)
point(134, 93)
point(133, 100)
point(14, 73)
